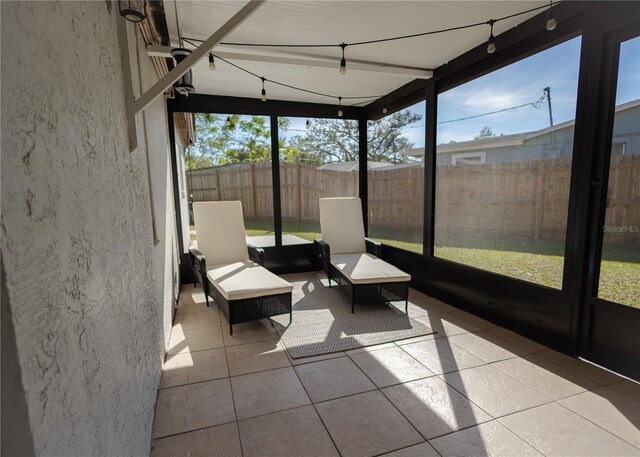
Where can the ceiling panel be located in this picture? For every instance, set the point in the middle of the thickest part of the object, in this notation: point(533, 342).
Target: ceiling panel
point(333, 22)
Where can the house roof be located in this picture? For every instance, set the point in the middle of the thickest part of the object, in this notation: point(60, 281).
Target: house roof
point(504, 141)
point(352, 165)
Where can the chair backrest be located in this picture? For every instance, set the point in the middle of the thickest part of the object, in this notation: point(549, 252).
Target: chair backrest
point(220, 231)
point(341, 224)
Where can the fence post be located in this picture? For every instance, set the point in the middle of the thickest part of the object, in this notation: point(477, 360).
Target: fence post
point(539, 201)
point(218, 184)
point(299, 178)
point(254, 205)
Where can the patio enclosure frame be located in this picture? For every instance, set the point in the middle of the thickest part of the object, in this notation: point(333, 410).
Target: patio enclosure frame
point(556, 318)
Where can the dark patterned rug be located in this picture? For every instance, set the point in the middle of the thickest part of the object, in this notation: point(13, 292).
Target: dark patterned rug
point(323, 323)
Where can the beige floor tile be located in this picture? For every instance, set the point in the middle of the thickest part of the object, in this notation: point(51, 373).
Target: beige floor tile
point(546, 377)
point(419, 339)
point(419, 450)
point(433, 407)
point(366, 425)
point(192, 299)
point(525, 343)
point(292, 433)
point(389, 366)
point(198, 320)
point(185, 340)
point(494, 391)
point(253, 357)
point(179, 369)
point(629, 388)
point(429, 303)
point(611, 410)
point(598, 374)
point(219, 441)
point(420, 309)
point(185, 408)
point(447, 324)
point(556, 431)
point(487, 346)
point(441, 356)
point(332, 378)
point(316, 358)
point(491, 439)
point(267, 392)
point(248, 332)
point(482, 324)
point(371, 348)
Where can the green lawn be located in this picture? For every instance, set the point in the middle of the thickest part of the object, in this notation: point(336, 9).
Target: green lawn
point(540, 264)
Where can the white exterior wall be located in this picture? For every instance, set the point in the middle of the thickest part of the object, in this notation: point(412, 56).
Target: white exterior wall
point(90, 291)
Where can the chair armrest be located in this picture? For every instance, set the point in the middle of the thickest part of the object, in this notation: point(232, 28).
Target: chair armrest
point(373, 247)
point(322, 254)
point(256, 254)
point(198, 261)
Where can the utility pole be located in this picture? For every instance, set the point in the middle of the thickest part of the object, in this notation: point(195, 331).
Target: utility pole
point(547, 91)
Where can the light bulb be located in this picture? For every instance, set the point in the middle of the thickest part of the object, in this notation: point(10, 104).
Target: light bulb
point(343, 66)
point(212, 63)
point(491, 47)
point(308, 123)
point(263, 97)
point(384, 110)
point(491, 44)
point(551, 21)
point(339, 113)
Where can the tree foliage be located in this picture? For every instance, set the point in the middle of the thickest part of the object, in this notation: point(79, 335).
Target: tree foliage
point(224, 139)
point(486, 132)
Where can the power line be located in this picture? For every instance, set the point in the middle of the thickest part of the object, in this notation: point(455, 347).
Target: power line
point(535, 104)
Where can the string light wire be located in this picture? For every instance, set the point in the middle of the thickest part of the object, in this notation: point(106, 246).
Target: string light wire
point(367, 98)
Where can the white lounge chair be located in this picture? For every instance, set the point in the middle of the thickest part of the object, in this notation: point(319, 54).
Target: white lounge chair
point(351, 260)
point(230, 271)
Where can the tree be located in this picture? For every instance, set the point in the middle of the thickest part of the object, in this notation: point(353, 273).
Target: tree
point(486, 132)
point(224, 139)
point(336, 140)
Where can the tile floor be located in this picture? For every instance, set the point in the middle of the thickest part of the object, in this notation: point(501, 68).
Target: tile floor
point(472, 389)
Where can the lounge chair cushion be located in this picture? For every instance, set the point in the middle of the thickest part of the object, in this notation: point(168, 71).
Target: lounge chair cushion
point(367, 269)
point(341, 225)
point(220, 232)
point(246, 279)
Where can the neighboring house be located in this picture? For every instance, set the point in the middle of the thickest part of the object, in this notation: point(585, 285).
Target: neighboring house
point(353, 165)
point(550, 143)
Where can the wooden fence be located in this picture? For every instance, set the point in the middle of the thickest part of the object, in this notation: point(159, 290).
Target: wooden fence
point(521, 198)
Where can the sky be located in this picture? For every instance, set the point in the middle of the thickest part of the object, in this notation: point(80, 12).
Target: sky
point(519, 83)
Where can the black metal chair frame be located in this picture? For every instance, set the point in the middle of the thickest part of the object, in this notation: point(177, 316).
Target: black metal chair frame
point(239, 311)
point(360, 294)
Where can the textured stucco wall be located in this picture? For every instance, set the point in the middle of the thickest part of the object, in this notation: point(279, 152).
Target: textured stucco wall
point(87, 285)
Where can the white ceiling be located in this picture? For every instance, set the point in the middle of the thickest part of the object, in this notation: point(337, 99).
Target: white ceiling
point(303, 22)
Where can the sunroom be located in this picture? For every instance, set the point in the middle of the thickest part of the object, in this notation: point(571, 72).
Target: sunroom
point(482, 157)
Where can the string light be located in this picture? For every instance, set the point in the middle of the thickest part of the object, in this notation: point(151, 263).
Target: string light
point(340, 107)
point(551, 18)
point(366, 98)
point(263, 95)
point(491, 48)
point(384, 105)
point(491, 44)
point(308, 124)
point(382, 40)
